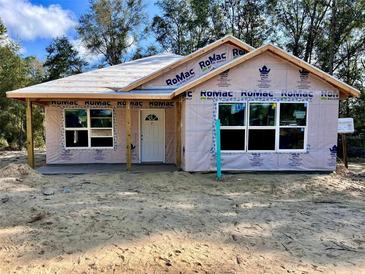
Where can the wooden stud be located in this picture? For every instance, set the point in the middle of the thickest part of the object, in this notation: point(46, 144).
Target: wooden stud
point(178, 133)
point(344, 150)
point(128, 125)
point(29, 125)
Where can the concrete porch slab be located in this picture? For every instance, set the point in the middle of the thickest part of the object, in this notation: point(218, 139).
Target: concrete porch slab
point(103, 168)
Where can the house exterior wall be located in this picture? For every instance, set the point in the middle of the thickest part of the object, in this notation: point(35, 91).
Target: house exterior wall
point(57, 153)
point(245, 83)
point(196, 67)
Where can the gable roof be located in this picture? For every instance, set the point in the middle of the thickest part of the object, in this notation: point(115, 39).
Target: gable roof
point(105, 83)
point(101, 82)
point(343, 87)
point(227, 39)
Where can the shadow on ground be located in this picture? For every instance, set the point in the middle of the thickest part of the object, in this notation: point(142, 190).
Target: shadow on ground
point(176, 221)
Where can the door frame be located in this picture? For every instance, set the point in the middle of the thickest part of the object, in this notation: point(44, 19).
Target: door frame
point(140, 133)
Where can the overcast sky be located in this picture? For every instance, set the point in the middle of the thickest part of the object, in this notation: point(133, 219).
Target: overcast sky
point(34, 23)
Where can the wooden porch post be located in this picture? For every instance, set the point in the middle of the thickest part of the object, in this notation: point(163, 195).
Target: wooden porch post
point(128, 135)
point(178, 133)
point(344, 150)
point(29, 126)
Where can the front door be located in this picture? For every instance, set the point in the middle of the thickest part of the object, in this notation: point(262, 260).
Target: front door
point(153, 135)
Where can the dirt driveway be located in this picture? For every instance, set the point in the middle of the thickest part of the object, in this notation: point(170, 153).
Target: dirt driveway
point(178, 222)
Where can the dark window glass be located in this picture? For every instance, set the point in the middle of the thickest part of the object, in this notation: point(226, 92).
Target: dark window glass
point(232, 139)
point(101, 117)
point(77, 138)
point(261, 139)
point(101, 122)
point(232, 114)
point(293, 114)
point(76, 118)
point(151, 117)
point(102, 142)
point(262, 114)
point(291, 138)
point(101, 113)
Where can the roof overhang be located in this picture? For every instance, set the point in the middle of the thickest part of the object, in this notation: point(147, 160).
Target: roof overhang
point(98, 96)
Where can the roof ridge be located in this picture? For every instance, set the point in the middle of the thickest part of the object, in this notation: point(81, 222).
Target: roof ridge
point(108, 67)
point(117, 75)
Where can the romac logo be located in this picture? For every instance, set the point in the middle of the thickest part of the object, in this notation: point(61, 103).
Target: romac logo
point(212, 59)
point(180, 78)
point(264, 81)
point(264, 71)
point(333, 150)
point(329, 95)
point(260, 94)
point(303, 73)
point(188, 94)
point(296, 94)
point(207, 94)
point(238, 52)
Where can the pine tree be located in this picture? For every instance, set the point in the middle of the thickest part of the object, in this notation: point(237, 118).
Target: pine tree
point(62, 59)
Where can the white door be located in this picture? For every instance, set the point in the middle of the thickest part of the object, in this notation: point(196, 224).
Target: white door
point(153, 135)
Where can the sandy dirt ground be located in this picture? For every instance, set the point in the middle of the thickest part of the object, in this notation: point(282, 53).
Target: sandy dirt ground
point(177, 222)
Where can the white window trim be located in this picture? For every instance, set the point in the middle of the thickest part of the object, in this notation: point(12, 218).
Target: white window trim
point(276, 127)
point(305, 127)
point(261, 127)
point(234, 127)
point(88, 129)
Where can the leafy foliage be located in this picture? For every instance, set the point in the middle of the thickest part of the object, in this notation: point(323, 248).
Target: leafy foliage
point(186, 26)
point(246, 20)
point(145, 52)
point(111, 27)
point(62, 59)
point(16, 72)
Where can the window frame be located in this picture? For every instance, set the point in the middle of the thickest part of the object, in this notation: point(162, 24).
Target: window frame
point(305, 127)
point(276, 127)
point(234, 127)
point(88, 129)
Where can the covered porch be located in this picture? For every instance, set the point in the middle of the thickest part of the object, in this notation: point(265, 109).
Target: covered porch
point(145, 132)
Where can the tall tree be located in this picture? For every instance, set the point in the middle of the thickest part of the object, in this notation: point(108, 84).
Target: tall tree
point(186, 25)
point(246, 20)
point(145, 52)
point(301, 22)
point(111, 27)
point(343, 35)
point(62, 59)
point(16, 72)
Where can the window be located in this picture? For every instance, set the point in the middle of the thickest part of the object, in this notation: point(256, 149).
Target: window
point(76, 128)
point(270, 126)
point(232, 117)
point(151, 117)
point(262, 114)
point(261, 128)
point(89, 128)
point(101, 123)
point(293, 121)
